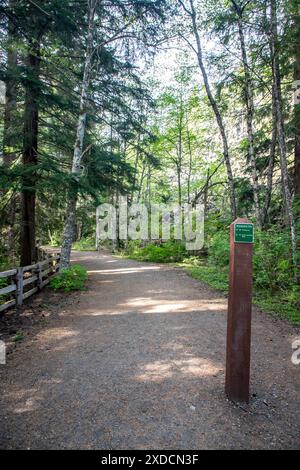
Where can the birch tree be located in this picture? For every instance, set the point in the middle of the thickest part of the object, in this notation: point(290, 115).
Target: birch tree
point(192, 14)
point(80, 132)
point(271, 162)
point(281, 131)
point(249, 101)
point(128, 21)
point(296, 53)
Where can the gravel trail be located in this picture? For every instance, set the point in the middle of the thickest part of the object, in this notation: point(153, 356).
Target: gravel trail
point(137, 362)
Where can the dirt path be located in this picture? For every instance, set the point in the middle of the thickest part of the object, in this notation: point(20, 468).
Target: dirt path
point(138, 363)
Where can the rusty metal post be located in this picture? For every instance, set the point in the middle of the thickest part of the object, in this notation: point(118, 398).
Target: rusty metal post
point(239, 311)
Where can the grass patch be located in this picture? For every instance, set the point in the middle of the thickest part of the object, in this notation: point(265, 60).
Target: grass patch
point(169, 252)
point(70, 279)
point(19, 336)
point(85, 244)
point(279, 303)
point(216, 278)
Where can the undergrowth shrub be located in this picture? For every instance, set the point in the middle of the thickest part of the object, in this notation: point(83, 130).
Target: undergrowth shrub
point(218, 249)
point(85, 244)
point(272, 261)
point(165, 253)
point(69, 279)
point(4, 282)
point(4, 259)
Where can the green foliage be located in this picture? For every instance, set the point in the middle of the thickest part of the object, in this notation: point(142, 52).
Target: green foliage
point(219, 248)
point(54, 238)
point(117, 95)
point(4, 283)
point(85, 244)
point(215, 277)
point(283, 303)
point(70, 279)
point(18, 336)
point(169, 252)
point(272, 260)
point(162, 156)
point(274, 289)
point(4, 259)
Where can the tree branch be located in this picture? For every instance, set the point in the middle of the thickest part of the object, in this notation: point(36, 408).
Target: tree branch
point(39, 8)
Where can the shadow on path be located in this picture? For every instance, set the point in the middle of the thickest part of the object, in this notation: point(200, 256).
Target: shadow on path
point(139, 363)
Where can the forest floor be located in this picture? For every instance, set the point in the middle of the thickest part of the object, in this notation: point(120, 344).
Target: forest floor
point(137, 362)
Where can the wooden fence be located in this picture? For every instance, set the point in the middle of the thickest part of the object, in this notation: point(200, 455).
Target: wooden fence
point(26, 281)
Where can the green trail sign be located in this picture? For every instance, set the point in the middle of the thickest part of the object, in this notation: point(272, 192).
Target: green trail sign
point(243, 233)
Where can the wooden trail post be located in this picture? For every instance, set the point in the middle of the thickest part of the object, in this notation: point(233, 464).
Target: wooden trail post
point(239, 311)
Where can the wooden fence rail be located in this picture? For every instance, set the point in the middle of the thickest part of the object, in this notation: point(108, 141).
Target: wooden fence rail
point(27, 280)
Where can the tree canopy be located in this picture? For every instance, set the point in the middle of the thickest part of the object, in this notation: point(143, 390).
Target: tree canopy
point(178, 101)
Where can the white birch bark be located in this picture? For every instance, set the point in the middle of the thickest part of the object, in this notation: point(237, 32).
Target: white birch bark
point(248, 88)
point(281, 133)
point(271, 162)
point(80, 133)
point(192, 13)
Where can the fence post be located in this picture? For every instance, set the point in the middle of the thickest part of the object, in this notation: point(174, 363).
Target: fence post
point(19, 282)
point(53, 264)
point(40, 277)
point(57, 263)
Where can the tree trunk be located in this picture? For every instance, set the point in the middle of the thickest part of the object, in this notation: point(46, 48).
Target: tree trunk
point(80, 132)
point(190, 163)
point(248, 90)
point(179, 185)
point(10, 109)
point(137, 157)
point(141, 182)
point(205, 193)
point(179, 159)
point(297, 104)
point(216, 111)
point(281, 133)
point(10, 99)
point(30, 156)
point(149, 187)
point(271, 162)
